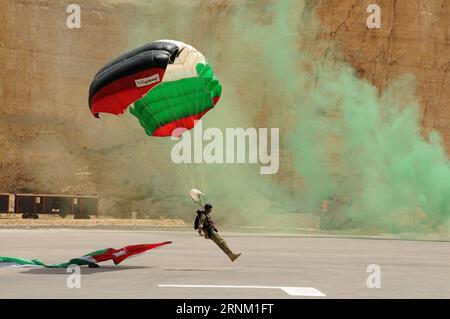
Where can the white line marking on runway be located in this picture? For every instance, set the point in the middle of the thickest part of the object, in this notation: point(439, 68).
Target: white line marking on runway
point(292, 291)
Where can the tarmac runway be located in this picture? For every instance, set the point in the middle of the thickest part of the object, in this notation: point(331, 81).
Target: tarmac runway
point(271, 266)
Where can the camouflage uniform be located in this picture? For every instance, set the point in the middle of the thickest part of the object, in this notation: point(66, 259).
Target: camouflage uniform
point(206, 226)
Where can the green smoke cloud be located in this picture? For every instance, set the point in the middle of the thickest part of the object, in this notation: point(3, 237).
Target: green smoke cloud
point(343, 142)
point(361, 151)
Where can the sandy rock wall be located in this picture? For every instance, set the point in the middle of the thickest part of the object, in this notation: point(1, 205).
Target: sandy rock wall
point(50, 143)
point(414, 38)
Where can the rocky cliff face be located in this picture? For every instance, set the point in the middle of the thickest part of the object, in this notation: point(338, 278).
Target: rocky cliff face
point(414, 38)
point(50, 143)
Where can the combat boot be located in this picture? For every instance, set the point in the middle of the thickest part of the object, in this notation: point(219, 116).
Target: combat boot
point(233, 256)
point(223, 245)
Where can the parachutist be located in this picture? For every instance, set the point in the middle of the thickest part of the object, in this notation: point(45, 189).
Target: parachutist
point(206, 228)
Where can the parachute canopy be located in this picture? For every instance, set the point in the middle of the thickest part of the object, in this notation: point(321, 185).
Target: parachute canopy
point(116, 255)
point(167, 84)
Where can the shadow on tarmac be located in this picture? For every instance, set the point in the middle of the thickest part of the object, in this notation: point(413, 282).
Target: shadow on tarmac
point(84, 270)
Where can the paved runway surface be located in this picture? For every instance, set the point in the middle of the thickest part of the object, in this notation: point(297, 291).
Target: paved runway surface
point(193, 267)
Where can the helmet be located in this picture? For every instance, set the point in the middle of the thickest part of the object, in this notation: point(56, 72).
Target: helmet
point(208, 206)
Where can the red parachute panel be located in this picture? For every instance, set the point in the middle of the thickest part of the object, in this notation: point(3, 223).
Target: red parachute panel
point(185, 122)
point(115, 97)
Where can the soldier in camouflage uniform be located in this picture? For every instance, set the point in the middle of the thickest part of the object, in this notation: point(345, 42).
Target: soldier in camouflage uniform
point(207, 229)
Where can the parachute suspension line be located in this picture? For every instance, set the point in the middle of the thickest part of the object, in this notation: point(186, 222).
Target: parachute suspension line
point(181, 176)
point(191, 169)
point(185, 173)
point(197, 175)
point(203, 179)
point(187, 176)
